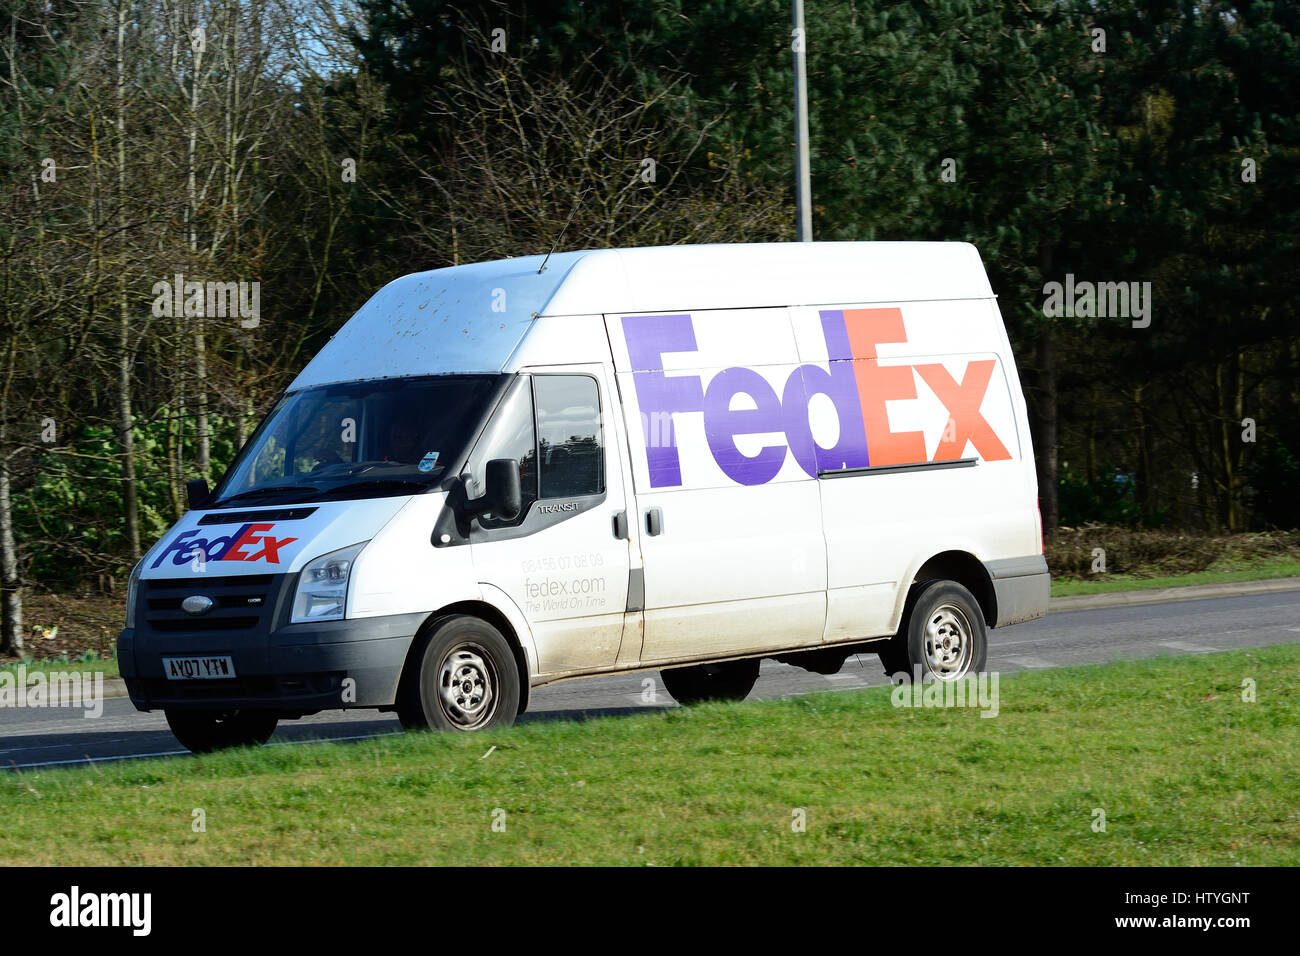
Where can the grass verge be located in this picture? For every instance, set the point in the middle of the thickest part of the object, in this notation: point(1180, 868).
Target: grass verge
point(1256, 571)
point(1186, 772)
point(86, 663)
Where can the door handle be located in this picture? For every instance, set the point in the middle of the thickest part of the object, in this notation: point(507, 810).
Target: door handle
point(620, 525)
point(654, 521)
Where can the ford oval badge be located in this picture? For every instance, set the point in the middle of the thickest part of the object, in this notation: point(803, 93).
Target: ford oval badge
point(196, 604)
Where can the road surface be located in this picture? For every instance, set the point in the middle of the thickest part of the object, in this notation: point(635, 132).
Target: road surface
point(62, 736)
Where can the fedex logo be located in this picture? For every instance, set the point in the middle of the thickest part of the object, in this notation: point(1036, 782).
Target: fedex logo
point(857, 385)
point(250, 543)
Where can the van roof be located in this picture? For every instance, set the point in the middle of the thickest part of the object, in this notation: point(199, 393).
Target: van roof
point(471, 318)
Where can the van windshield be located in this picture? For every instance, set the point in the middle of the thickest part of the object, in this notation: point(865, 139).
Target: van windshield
point(359, 439)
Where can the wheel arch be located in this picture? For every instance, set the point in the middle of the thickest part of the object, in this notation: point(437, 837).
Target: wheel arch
point(487, 612)
point(963, 568)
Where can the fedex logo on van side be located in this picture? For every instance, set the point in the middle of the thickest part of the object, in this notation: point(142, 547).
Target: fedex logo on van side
point(855, 382)
point(250, 542)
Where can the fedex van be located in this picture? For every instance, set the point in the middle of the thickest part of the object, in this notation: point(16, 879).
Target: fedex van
point(683, 459)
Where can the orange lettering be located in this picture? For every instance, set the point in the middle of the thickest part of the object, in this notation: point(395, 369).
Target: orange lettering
point(965, 422)
point(878, 384)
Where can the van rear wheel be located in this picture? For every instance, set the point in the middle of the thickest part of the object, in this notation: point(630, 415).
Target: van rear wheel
point(942, 633)
point(204, 731)
point(726, 680)
point(464, 678)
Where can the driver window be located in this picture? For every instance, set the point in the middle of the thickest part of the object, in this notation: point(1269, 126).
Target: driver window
point(509, 435)
point(569, 438)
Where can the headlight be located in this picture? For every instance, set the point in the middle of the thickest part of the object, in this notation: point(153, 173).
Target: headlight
point(323, 586)
point(132, 591)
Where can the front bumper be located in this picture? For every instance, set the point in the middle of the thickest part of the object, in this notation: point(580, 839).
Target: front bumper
point(295, 669)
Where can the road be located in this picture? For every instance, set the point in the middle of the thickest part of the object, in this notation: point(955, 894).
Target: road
point(62, 736)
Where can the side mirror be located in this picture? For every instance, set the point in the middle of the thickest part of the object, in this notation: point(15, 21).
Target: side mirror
point(503, 489)
point(196, 492)
point(503, 496)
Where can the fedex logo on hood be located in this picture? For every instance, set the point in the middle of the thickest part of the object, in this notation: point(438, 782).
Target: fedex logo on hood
point(855, 382)
point(250, 542)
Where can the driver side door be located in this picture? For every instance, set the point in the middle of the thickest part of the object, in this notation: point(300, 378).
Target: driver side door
point(564, 560)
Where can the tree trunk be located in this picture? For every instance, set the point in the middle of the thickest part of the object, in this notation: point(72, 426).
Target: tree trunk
point(1045, 440)
point(11, 595)
point(1237, 487)
point(126, 436)
point(191, 213)
point(178, 416)
point(1228, 388)
point(1144, 490)
point(125, 425)
point(1045, 443)
point(201, 437)
point(171, 452)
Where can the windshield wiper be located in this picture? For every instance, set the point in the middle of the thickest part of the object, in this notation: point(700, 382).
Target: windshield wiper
point(361, 467)
point(262, 492)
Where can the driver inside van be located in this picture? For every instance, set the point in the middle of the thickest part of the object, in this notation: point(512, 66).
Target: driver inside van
point(404, 441)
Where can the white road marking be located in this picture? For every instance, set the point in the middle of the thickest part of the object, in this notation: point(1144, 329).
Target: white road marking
point(63, 763)
point(1031, 663)
point(1049, 643)
point(185, 753)
point(10, 750)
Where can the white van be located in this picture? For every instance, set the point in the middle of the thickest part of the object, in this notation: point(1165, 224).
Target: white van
point(684, 459)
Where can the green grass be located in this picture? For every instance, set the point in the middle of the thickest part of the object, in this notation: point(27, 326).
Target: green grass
point(1186, 772)
point(88, 662)
point(1280, 567)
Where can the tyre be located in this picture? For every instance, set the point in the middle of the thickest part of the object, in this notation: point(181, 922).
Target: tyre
point(942, 633)
point(203, 731)
point(893, 656)
point(726, 680)
point(463, 677)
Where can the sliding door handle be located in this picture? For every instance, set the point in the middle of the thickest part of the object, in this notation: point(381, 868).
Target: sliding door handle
point(654, 521)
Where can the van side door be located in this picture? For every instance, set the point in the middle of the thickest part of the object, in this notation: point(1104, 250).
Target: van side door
point(942, 469)
point(730, 521)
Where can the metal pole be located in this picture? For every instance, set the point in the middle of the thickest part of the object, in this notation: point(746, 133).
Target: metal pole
point(803, 178)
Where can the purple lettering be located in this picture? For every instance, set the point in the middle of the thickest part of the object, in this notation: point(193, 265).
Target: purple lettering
point(839, 385)
point(836, 334)
point(181, 545)
point(218, 547)
point(196, 547)
point(661, 396)
point(722, 424)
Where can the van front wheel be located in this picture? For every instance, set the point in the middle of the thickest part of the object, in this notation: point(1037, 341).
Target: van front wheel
point(727, 680)
point(942, 633)
point(464, 678)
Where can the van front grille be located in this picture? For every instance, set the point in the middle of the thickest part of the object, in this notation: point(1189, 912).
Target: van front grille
point(238, 603)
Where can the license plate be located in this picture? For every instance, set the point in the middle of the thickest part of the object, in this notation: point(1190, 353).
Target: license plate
point(198, 668)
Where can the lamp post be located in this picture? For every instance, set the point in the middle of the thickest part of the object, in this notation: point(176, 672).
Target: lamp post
point(803, 178)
